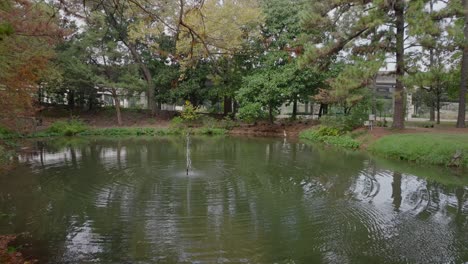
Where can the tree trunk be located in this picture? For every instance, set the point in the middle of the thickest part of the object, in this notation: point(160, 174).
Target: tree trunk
point(227, 105)
point(464, 72)
point(398, 107)
point(71, 100)
point(117, 108)
point(432, 114)
point(270, 114)
point(438, 108)
point(235, 107)
point(148, 78)
point(431, 65)
point(294, 111)
point(374, 95)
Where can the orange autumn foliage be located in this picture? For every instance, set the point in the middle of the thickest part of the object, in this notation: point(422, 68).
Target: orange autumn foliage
point(25, 55)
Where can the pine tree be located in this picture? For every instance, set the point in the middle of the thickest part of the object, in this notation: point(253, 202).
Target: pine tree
point(365, 30)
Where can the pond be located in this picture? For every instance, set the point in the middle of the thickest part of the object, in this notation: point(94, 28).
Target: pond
point(245, 200)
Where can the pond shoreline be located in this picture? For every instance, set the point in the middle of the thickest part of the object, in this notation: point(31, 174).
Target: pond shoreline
point(447, 148)
point(363, 140)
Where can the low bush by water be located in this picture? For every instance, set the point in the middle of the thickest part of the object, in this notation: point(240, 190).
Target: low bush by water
point(67, 128)
point(130, 131)
point(78, 128)
point(437, 149)
point(330, 136)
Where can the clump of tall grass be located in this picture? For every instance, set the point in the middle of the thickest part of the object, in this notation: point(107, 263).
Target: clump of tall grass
point(330, 136)
point(66, 128)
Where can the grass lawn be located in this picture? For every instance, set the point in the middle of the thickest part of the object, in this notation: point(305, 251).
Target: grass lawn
point(424, 148)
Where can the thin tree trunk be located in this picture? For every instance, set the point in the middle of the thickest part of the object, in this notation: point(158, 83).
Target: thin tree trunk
point(148, 78)
point(398, 107)
point(117, 108)
point(227, 105)
point(374, 95)
point(270, 114)
point(71, 103)
point(294, 111)
point(432, 114)
point(431, 65)
point(235, 107)
point(464, 73)
point(312, 109)
point(438, 108)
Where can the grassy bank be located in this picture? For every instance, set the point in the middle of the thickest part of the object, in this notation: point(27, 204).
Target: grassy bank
point(330, 136)
point(130, 131)
point(424, 148)
point(76, 128)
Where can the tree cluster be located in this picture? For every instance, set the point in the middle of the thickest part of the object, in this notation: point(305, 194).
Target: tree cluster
point(244, 57)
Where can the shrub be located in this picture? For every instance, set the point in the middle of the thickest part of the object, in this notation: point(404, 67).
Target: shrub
point(428, 125)
point(359, 114)
point(209, 122)
point(383, 123)
point(67, 128)
point(7, 134)
point(227, 123)
point(355, 119)
point(4, 131)
point(341, 141)
point(337, 122)
point(252, 112)
point(177, 122)
point(189, 113)
point(344, 123)
point(328, 131)
point(210, 131)
point(130, 131)
point(330, 136)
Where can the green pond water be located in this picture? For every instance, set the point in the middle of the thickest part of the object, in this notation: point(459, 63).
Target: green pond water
point(245, 200)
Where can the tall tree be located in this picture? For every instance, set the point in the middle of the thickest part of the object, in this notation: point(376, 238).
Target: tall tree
point(122, 16)
point(28, 32)
point(431, 69)
point(344, 29)
point(114, 68)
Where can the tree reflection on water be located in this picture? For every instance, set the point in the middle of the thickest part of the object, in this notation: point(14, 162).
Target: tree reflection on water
point(248, 200)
